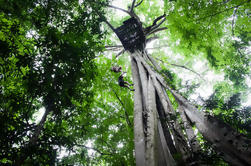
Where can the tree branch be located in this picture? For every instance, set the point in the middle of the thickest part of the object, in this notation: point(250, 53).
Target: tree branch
point(184, 67)
point(34, 138)
point(159, 24)
point(138, 3)
point(116, 46)
point(113, 48)
point(154, 25)
point(40, 126)
point(123, 10)
point(158, 47)
point(113, 29)
point(157, 30)
point(121, 52)
point(158, 18)
point(151, 39)
point(133, 4)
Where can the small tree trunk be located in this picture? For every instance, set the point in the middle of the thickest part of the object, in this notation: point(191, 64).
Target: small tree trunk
point(33, 140)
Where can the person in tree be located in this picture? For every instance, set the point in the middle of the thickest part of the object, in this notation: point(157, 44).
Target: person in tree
point(121, 81)
point(116, 69)
point(124, 83)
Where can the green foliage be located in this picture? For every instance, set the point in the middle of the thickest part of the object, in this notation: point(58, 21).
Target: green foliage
point(230, 111)
point(47, 52)
point(170, 78)
point(173, 101)
point(50, 59)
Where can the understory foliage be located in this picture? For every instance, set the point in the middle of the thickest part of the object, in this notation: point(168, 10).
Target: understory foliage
point(54, 65)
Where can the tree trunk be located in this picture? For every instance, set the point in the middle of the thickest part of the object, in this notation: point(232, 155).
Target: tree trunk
point(33, 140)
point(150, 143)
point(158, 139)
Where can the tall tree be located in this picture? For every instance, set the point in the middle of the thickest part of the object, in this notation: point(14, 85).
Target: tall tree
point(51, 64)
point(158, 137)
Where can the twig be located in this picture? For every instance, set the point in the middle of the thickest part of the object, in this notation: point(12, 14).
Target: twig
point(226, 1)
point(209, 22)
point(112, 49)
point(240, 52)
point(184, 67)
point(138, 3)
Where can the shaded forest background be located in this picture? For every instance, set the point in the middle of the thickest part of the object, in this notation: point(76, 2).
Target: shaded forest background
point(59, 102)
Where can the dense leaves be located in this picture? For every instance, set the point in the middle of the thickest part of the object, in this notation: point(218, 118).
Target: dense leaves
point(47, 51)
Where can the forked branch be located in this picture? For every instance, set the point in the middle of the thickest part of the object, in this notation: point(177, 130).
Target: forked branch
point(159, 24)
point(130, 12)
point(154, 26)
point(131, 8)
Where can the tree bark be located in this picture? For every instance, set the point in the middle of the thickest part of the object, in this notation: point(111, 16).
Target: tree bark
point(139, 138)
point(151, 149)
point(235, 148)
point(193, 142)
point(151, 145)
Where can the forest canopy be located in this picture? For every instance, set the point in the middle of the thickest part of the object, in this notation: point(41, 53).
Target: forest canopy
point(60, 103)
